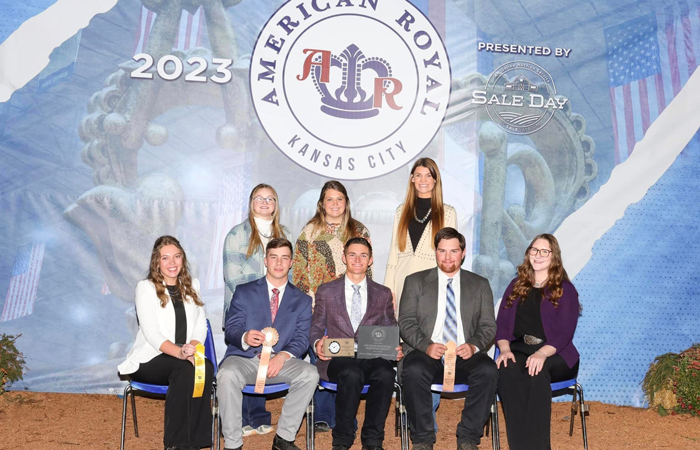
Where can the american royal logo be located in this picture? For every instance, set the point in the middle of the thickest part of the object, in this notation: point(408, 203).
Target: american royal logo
point(350, 89)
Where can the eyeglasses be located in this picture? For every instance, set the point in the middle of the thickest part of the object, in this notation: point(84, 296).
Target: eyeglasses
point(260, 199)
point(542, 251)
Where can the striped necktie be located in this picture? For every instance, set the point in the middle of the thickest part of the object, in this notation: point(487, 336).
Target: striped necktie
point(449, 333)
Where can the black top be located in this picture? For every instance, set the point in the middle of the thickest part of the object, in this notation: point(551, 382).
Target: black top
point(180, 315)
point(415, 228)
point(527, 317)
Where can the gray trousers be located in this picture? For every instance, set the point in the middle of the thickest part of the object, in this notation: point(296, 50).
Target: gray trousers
point(235, 372)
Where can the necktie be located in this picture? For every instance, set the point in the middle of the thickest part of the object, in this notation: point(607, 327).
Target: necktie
point(274, 303)
point(356, 307)
point(449, 333)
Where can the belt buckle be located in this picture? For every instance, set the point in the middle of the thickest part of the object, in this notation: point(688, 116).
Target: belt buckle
point(531, 340)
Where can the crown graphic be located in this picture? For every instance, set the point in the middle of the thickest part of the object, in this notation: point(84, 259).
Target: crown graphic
point(521, 83)
point(349, 100)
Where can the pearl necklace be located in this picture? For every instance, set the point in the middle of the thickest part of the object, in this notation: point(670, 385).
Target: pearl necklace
point(415, 216)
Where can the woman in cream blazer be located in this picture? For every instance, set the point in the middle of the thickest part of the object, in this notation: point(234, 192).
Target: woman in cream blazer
point(417, 221)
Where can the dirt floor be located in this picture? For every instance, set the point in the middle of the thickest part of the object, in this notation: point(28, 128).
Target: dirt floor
point(32, 420)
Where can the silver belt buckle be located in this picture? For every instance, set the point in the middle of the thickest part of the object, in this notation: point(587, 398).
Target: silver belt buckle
point(532, 340)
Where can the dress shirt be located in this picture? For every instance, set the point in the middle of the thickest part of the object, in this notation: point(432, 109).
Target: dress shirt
point(438, 330)
point(350, 291)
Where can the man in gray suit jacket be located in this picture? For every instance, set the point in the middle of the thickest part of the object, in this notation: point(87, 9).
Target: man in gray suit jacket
point(343, 305)
point(439, 305)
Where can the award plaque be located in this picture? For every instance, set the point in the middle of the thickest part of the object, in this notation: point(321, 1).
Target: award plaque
point(271, 338)
point(448, 381)
point(377, 342)
point(334, 348)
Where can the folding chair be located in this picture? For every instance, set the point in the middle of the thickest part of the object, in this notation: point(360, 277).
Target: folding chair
point(134, 386)
point(576, 389)
point(281, 387)
point(459, 388)
point(401, 420)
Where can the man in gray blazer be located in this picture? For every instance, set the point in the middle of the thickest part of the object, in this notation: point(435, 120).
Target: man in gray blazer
point(439, 305)
point(342, 305)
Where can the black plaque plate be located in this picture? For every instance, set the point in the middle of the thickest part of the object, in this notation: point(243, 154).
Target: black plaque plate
point(377, 342)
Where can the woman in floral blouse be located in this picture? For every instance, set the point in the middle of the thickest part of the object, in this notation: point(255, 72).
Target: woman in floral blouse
point(318, 259)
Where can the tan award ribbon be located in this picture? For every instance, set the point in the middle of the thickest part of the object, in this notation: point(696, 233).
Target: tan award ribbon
point(448, 382)
point(271, 338)
point(198, 371)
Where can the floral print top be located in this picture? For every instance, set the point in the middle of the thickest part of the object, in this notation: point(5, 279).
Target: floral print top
point(318, 257)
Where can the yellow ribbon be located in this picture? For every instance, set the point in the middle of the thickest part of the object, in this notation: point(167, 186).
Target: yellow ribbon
point(198, 371)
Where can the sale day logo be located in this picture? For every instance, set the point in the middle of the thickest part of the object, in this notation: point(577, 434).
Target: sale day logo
point(350, 89)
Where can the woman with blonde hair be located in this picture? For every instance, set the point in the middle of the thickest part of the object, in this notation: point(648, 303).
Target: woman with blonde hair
point(318, 259)
point(535, 327)
point(416, 223)
point(244, 250)
point(172, 322)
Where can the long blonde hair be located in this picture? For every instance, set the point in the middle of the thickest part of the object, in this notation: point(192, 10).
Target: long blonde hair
point(437, 216)
point(349, 227)
point(184, 279)
point(255, 240)
point(552, 290)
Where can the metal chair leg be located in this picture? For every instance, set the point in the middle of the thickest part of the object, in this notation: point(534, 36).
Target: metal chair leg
point(495, 437)
point(133, 411)
point(310, 426)
point(214, 418)
point(574, 411)
point(127, 390)
point(584, 410)
point(403, 417)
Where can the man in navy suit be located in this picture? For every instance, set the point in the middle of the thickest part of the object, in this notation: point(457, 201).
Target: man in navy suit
point(268, 302)
point(342, 305)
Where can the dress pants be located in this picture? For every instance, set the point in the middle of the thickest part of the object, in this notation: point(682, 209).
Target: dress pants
point(235, 372)
point(420, 371)
point(351, 374)
point(527, 400)
point(187, 419)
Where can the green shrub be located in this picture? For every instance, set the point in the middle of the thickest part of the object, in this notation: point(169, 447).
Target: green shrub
point(672, 382)
point(12, 363)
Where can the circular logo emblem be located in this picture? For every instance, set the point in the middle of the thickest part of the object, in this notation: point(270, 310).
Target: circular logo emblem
point(350, 90)
point(334, 347)
point(378, 335)
point(520, 97)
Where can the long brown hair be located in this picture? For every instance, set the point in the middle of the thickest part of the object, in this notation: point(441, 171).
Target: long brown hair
point(184, 279)
point(437, 216)
point(255, 240)
point(526, 275)
point(349, 227)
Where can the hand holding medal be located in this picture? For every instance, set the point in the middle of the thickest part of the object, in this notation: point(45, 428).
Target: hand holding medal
point(271, 338)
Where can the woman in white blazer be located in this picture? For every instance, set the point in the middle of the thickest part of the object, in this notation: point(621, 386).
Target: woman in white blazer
point(416, 223)
point(171, 324)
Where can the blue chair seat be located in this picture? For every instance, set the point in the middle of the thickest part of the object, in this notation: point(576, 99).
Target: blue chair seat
point(334, 387)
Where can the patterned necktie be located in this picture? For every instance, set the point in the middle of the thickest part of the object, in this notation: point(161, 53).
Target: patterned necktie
point(356, 307)
point(274, 303)
point(449, 333)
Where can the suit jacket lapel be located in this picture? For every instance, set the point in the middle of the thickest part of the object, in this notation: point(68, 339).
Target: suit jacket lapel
point(466, 303)
point(343, 318)
point(265, 300)
point(429, 300)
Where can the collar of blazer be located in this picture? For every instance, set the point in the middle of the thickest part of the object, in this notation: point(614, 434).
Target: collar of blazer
point(466, 303)
point(286, 302)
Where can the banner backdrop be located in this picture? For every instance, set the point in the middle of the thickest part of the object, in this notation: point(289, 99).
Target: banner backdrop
point(123, 120)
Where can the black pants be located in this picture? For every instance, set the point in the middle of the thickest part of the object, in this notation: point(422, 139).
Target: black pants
point(350, 375)
point(527, 400)
point(187, 419)
point(420, 371)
